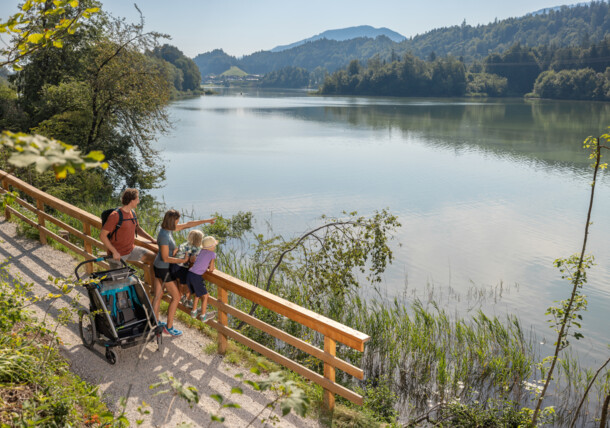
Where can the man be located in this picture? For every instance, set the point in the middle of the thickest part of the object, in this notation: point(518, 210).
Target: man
point(121, 244)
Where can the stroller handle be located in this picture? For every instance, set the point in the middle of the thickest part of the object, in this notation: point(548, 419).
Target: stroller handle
point(99, 259)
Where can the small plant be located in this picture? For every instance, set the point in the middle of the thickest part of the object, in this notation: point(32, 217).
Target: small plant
point(188, 393)
point(380, 399)
point(287, 395)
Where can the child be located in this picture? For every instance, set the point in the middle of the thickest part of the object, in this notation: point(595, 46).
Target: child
point(203, 263)
point(192, 246)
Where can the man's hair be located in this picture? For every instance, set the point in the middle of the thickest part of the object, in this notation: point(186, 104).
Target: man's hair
point(129, 195)
point(169, 220)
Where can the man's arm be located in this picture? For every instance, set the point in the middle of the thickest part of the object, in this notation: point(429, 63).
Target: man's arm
point(146, 235)
point(106, 241)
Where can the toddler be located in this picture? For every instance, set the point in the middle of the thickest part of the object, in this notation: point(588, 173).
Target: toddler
point(204, 262)
point(192, 246)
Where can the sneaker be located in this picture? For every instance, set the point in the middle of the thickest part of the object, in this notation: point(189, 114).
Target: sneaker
point(194, 313)
point(171, 331)
point(161, 324)
point(186, 302)
point(207, 316)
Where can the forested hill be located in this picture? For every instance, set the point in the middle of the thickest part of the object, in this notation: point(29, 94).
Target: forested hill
point(566, 26)
point(328, 54)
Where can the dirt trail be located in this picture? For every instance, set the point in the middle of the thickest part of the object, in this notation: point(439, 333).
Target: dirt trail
point(183, 356)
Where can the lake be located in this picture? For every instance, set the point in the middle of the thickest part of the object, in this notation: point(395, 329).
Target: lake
point(489, 192)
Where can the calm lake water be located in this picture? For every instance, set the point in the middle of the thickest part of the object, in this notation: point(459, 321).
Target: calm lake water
point(489, 193)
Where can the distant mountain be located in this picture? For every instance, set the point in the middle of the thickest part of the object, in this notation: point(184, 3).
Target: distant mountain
point(327, 54)
point(347, 34)
point(577, 25)
point(554, 9)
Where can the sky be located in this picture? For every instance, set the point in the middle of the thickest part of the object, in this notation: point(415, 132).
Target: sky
point(242, 27)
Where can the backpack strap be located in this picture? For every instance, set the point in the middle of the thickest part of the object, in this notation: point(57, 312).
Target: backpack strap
point(135, 219)
point(118, 225)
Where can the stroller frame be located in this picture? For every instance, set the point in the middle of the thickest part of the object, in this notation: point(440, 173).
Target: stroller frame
point(120, 313)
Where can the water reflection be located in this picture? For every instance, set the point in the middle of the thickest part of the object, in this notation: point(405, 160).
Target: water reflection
point(551, 132)
point(489, 192)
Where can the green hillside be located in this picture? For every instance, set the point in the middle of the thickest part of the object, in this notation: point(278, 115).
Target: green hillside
point(565, 26)
point(234, 72)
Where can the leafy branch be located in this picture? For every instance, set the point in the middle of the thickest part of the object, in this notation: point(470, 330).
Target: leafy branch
point(67, 16)
point(566, 314)
point(46, 153)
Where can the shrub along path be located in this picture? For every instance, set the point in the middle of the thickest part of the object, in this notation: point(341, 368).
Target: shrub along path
point(183, 356)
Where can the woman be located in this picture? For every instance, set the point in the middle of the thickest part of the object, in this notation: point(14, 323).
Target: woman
point(167, 249)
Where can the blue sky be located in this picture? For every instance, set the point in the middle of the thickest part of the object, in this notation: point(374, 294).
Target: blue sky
point(241, 27)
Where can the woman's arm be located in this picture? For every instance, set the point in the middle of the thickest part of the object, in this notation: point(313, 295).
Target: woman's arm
point(194, 223)
point(164, 250)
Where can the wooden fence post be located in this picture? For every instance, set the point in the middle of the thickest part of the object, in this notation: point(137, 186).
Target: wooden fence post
point(41, 233)
point(7, 213)
point(223, 319)
point(87, 245)
point(330, 347)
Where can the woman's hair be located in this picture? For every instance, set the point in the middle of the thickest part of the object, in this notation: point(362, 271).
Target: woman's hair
point(195, 237)
point(129, 195)
point(169, 220)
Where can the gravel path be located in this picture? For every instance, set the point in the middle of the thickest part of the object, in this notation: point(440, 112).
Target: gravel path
point(183, 356)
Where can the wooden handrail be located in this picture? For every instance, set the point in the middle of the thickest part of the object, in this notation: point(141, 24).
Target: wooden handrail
point(332, 331)
point(317, 322)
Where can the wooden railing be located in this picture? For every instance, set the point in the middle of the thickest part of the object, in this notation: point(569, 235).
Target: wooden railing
point(332, 331)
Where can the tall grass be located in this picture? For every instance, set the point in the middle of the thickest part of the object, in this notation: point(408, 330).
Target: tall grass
point(431, 357)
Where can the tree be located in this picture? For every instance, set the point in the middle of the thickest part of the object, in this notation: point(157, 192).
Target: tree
point(328, 258)
point(39, 24)
point(518, 65)
point(191, 77)
point(54, 23)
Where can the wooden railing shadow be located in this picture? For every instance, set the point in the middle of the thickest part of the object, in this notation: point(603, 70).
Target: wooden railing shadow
point(332, 331)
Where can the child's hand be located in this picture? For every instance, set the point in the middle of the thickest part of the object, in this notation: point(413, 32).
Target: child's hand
point(186, 258)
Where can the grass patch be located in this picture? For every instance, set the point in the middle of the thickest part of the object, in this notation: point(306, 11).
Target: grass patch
point(37, 387)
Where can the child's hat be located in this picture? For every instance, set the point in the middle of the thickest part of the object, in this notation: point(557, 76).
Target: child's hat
point(208, 242)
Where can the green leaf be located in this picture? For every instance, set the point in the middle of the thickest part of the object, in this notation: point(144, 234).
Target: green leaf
point(35, 38)
point(232, 406)
point(217, 397)
point(236, 390)
point(58, 44)
point(74, 3)
point(215, 418)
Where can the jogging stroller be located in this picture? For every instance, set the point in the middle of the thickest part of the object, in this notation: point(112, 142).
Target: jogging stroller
point(120, 312)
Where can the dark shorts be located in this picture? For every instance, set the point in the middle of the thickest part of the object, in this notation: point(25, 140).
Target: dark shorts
point(178, 272)
point(196, 284)
point(162, 273)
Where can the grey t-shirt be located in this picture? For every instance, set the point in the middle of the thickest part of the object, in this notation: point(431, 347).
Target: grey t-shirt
point(164, 238)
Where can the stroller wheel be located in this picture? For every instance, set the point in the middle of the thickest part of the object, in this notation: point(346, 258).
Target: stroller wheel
point(111, 356)
point(87, 328)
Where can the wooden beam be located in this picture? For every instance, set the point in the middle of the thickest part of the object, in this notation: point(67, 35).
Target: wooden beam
point(326, 357)
point(289, 364)
point(330, 347)
point(320, 323)
point(52, 201)
point(40, 209)
point(223, 319)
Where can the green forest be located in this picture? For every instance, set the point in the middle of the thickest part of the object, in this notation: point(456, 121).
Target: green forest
point(105, 87)
point(578, 73)
point(561, 53)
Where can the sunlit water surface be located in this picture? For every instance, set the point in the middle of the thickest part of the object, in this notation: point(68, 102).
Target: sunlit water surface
point(489, 193)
